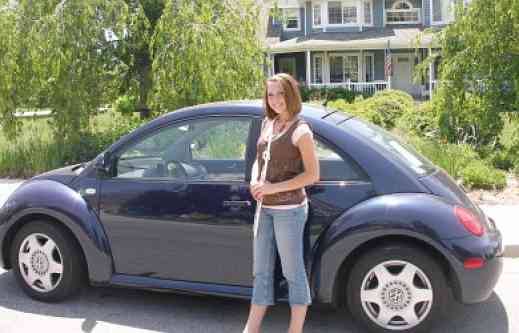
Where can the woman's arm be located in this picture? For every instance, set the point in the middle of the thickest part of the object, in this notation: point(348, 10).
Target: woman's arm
point(309, 176)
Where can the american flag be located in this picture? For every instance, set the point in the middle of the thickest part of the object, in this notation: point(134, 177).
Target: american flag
point(387, 62)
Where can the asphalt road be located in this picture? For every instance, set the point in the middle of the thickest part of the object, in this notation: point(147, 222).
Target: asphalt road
point(120, 310)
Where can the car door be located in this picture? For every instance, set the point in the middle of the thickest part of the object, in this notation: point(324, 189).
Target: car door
point(342, 184)
point(178, 205)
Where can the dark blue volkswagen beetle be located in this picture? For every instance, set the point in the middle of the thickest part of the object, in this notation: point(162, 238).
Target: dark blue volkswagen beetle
point(390, 236)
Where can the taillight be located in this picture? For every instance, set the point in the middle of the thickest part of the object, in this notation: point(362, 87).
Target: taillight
point(473, 263)
point(469, 221)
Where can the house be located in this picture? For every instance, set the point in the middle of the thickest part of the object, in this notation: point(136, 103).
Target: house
point(363, 45)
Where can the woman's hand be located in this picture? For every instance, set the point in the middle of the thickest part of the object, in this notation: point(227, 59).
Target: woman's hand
point(259, 190)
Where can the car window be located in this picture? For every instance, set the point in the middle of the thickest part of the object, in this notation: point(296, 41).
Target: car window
point(390, 144)
point(212, 149)
point(335, 167)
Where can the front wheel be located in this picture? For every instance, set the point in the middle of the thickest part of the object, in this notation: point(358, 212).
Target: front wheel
point(47, 262)
point(396, 288)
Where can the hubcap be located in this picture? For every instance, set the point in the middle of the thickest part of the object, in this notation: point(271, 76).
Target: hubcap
point(40, 262)
point(396, 295)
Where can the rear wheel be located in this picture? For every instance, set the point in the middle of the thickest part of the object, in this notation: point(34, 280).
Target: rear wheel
point(396, 288)
point(47, 262)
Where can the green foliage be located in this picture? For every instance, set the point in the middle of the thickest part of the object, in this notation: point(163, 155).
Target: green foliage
point(478, 71)
point(383, 109)
point(54, 54)
point(468, 119)
point(206, 51)
point(327, 95)
point(125, 104)
point(480, 175)
point(74, 57)
point(422, 121)
point(36, 149)
point(453, 158)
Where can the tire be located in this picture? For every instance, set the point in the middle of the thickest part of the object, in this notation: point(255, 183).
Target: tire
point(47, 262)
point(396, 288)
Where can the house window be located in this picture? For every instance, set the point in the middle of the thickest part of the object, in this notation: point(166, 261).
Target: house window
point(342, 12)
point(316, 12)
point(369, 68)
point(344, 68)
point(403, 12)
point(292, 21)
point(287, 65)
point(442, 11)
point(367, 12)
point(318, 69)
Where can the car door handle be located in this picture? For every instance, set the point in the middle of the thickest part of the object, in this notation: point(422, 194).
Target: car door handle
point(237, 203)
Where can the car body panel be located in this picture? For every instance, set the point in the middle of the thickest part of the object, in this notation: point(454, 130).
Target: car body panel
point(44, 197)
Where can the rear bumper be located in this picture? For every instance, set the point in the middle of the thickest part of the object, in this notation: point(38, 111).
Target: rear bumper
point(476, 285)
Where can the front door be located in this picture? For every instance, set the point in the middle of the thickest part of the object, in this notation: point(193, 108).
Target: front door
point(402, 73)
point(178, 205)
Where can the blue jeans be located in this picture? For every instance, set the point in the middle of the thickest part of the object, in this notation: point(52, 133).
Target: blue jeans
point(282, 229)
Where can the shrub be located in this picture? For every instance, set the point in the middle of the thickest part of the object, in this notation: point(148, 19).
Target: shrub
point(450, 157)
point(326, 95)
point(477, 174)
point(468, 120)
point(125, 104)
point(422, 121)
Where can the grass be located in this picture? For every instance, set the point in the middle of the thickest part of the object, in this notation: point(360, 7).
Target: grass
point(33, 150)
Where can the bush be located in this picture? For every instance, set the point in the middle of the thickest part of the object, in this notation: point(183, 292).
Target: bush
point(480, 175)
point(326, 95)
point(467, 121)
point(421, 121)
point(383, 109)
point(450, 157)
point(36, 150)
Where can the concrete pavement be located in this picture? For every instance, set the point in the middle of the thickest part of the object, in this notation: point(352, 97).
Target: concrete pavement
point(505, 216)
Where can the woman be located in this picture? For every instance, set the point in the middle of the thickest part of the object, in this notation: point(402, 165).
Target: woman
point(292, 166)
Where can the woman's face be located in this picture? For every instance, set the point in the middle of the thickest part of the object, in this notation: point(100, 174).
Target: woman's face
point(276, 97)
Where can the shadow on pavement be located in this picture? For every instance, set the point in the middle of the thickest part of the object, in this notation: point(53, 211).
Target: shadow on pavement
point(166, 312)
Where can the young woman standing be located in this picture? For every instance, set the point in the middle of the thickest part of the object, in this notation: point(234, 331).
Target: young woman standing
point(292, 166)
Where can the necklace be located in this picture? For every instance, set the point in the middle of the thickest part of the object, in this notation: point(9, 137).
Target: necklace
point(282, 125)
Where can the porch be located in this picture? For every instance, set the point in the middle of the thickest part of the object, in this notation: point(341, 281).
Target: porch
point(362, 71)
point(358, 60)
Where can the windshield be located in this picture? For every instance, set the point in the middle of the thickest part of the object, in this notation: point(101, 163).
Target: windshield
point(391, 144)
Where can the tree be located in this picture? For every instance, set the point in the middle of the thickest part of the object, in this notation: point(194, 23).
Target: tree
point(73, 56)
point(479, 71)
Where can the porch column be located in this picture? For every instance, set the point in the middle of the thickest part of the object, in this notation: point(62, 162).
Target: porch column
point(273, 68)
point(362, 68)
point(308, 69)
point(430, 76)
point(324, 15)
point(326, 71)
point(361, 14)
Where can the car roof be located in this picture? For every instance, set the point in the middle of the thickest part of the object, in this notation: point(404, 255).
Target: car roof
point(246, 107)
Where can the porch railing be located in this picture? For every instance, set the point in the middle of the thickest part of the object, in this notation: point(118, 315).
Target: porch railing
point(362, 87)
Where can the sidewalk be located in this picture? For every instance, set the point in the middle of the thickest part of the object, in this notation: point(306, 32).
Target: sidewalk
point(506, 217)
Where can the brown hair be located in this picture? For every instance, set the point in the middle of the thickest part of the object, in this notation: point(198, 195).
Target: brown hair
point(292, 95)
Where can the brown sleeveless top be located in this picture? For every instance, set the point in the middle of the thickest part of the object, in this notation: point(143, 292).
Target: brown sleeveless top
point(285, 163)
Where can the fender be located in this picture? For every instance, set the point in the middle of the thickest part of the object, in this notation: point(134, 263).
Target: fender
point(51, 198)
point(421, 216)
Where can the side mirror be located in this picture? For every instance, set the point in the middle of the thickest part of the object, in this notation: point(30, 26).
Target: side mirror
point(104, 164)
